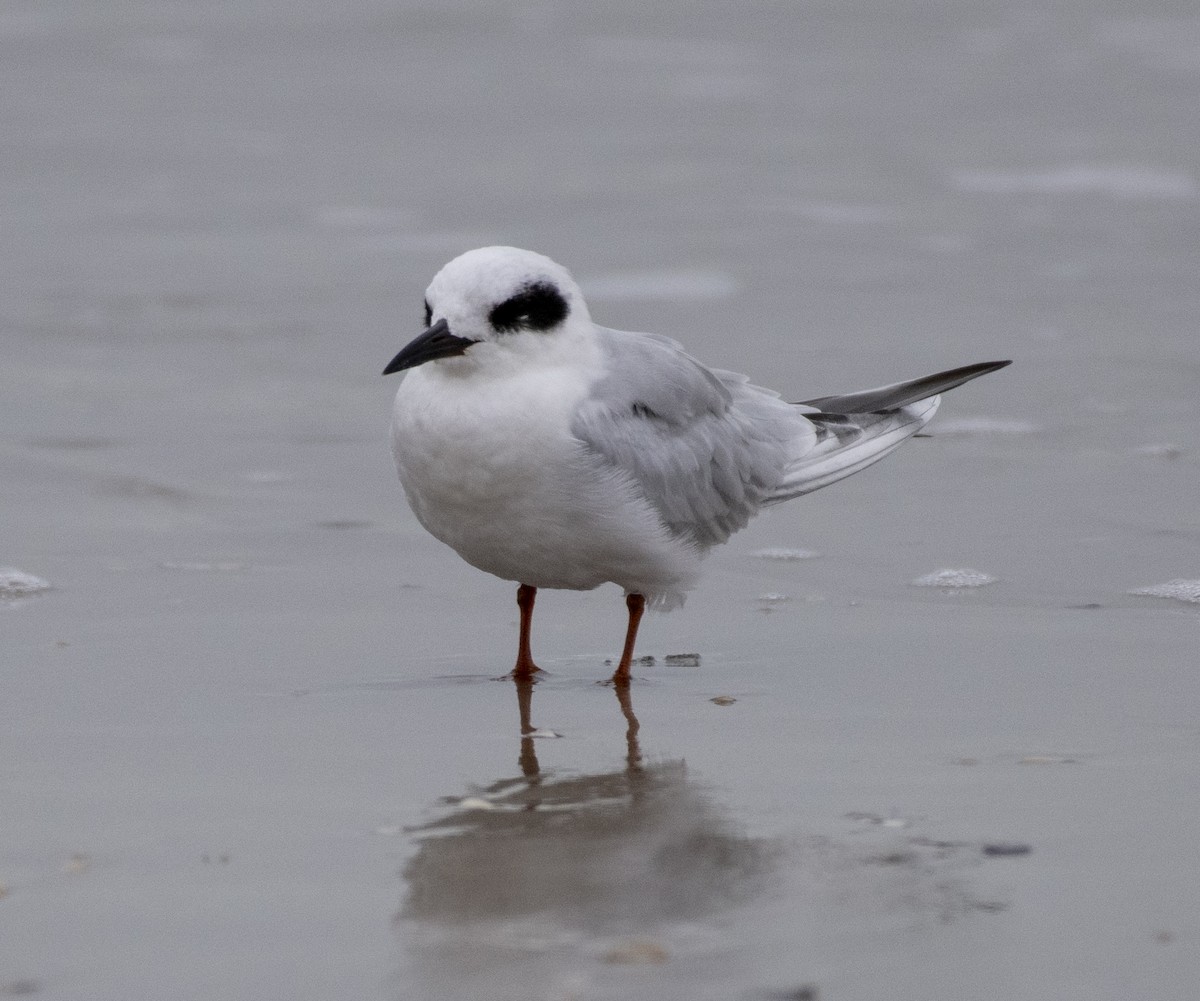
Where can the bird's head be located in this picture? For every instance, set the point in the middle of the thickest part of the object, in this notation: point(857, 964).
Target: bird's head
point(508, 299)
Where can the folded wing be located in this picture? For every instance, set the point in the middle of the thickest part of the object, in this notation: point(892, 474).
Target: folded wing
point(707, 450)
point(704, 448)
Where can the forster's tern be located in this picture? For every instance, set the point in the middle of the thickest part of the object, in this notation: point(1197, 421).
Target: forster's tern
point(553, 452)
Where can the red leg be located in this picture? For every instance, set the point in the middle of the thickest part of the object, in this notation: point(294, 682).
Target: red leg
point(525, 667)
point(636, 604)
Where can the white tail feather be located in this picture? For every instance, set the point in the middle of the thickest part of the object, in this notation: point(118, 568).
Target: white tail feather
point(848, 445)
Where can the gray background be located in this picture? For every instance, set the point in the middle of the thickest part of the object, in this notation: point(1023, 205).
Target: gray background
point(235, 736)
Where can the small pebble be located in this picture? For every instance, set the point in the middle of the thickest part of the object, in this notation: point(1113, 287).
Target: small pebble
point(805, 992)
point(895, 858)
point(1001, 849)
point(682, 659)
point(723, 700)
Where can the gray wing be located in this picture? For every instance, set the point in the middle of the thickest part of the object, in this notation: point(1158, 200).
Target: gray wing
point(703, 447)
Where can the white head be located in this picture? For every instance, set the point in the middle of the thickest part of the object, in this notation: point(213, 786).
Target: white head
point(502, 297)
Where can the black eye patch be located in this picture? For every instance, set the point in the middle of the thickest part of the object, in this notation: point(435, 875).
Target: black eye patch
point(428, 314)
point(539, 306)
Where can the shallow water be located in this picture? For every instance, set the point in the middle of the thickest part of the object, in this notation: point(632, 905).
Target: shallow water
point(251, 744)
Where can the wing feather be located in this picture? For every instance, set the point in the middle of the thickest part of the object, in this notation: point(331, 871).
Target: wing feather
point(707, 449)
point(704, 448)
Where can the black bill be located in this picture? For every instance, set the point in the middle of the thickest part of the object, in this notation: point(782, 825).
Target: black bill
point(436, 342)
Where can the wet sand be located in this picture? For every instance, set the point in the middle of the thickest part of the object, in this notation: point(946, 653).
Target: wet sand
point(251, 744)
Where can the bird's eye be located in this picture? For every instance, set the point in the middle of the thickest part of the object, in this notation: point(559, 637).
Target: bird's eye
point(538, 306)
point(428, 314)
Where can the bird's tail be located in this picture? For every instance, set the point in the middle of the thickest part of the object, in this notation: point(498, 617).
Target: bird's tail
point(858, 429)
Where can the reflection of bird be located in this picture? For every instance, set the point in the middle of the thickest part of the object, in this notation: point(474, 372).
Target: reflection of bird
point(556, 453)
point(514, 890)
point(607, 850)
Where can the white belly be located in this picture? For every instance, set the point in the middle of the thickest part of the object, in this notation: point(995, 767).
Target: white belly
point(495, 473)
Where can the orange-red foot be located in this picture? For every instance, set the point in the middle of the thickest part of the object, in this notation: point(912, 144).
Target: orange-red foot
point(525, 670)
point(636, 604)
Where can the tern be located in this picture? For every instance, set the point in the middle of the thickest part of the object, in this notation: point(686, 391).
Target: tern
point(556, 453)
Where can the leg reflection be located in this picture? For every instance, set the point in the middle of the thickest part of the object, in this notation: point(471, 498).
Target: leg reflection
point(527, 759)
point(571, 852)
point(633, 751)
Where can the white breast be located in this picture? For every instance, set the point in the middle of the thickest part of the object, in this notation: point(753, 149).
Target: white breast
point(490, 467)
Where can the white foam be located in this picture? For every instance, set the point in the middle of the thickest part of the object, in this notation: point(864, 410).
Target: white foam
point(476, 803)
point(780, 553)
point(1160, 450)
point(955, 578)
point(1180, 590)
point(16, 583)
point(1115, 181)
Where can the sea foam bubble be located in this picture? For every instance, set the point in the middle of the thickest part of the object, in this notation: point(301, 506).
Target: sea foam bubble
point(955, 578)
point(1180, 590)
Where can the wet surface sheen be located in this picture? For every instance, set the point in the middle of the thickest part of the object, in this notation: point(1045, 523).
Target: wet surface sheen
point(251, 744)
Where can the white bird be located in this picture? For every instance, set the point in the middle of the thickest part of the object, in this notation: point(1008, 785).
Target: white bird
point(557, 453)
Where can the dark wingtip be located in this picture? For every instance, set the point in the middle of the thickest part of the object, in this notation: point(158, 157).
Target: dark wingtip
point(901, 394)
point(968, 372)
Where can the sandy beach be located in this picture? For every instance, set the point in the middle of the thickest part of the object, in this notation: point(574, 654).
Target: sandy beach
point(252, 741)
